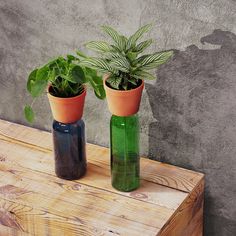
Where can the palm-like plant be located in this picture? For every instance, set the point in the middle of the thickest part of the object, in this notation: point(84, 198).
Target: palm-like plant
point(122, 59)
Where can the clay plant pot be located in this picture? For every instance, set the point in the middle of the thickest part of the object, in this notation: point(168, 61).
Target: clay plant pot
point(123, 103)
point(67, 110)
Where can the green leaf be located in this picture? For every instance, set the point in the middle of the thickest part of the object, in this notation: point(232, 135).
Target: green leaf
point(29, 114)
point(71, 58)
point(119, 40)
point(120, 64)
point(138, 34)
point(114, 82)
point(90, 72)
point(38, 87)
point(113, 55)
point(31, 79)
point(42, 73)
point(115, 49)
point(142, 46)
point(132, 56)
point(141, 74)
point(99, 46)
point(52, 75)
point(122, 43)
point(97, 84)
point(77, 75)
point(133, 81)
point(62, 65)
point(75, 88)
point(112, 33)
point(151, 61)
point(100, 92)
point(81, 54)
point(99, 64)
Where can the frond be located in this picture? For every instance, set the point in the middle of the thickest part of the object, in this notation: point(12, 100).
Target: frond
point(98, 64)
point(148, 62)
point(99, 46)
point(138, 34)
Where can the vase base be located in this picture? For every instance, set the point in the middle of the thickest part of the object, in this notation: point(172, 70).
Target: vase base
point(71, 177)
point(130, 189)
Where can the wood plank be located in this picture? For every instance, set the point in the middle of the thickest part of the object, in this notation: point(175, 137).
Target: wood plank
point(153, 171)
point(17, 162)
point(195, 227)
point(7, 231)
point(19, 155)
point(41, 222)
point(34, 200)
point(81, 196)
point(188, 218)
point(158, 195)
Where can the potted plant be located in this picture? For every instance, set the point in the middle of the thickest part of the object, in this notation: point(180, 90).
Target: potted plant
point(124, 71)
point(124, 68)
point(65, 82)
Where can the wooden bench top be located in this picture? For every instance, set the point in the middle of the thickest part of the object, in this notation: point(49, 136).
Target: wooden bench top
point(33, 201)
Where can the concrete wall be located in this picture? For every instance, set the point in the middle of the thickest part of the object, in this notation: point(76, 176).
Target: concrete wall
point(188, 115)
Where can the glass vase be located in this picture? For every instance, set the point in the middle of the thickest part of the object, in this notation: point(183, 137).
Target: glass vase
point(124, 141)
point(69, 149)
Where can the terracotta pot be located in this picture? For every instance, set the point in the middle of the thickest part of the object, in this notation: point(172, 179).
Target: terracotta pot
point(67, 110)
point(123, 103)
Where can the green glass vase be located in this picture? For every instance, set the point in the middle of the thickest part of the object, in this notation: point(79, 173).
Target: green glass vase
point(124, 141)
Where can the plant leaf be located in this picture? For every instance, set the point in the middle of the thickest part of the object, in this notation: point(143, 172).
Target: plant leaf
point(52, 75)
point(81, 54)
point(38, 87)
point(119, 40)
point(77, 75)
point(138, 34)
point(120, 64)
point(141, 74)
point(31, 79)
point(97, 83)
point(114, 81)
point(142, 46)
point(42, 73)
point(132, 56)
point(112, 55)
point(99, 46)
point(122, 43)
point(29, 113)
point(71, 58)
point(151, 61)
point(133, 81)
point(99, 64)
point(99, 91)
point(90, 72)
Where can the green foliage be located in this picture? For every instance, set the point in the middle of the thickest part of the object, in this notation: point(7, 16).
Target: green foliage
point(66, 78)
point(29, 114)
point(122, 60)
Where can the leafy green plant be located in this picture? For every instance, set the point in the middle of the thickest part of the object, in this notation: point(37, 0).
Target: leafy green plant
point(66, 78)
point(122, 59)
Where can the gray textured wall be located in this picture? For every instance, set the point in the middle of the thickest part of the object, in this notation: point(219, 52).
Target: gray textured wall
point(188, 115)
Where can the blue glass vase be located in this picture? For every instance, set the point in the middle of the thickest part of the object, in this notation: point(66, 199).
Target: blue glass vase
point(69, 149)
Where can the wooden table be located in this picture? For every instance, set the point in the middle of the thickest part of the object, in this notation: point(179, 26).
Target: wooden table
point(33, 201)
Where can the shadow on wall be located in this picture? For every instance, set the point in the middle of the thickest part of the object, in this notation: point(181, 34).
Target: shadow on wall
point(194, 103)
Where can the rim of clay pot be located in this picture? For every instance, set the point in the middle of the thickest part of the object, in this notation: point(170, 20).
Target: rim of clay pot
point(120, 92)
point(68, 99)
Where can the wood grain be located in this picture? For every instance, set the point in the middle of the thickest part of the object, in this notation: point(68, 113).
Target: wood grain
point(188, 218)
point(34, 201)
point(7, 231)
point(170, 176)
